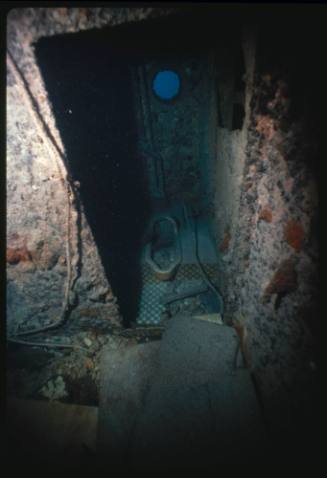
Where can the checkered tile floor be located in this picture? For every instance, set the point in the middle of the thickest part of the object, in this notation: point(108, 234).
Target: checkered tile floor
point(150, 309)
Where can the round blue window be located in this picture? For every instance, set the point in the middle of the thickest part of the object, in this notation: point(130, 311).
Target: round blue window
point(166, 84)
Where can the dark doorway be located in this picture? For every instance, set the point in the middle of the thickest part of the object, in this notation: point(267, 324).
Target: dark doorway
point(88, 82)
point(89, 79)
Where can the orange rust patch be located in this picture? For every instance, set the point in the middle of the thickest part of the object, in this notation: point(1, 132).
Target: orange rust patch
point(265, 126)
point(284, 280)
point(14, 256)
point(89, 364)
point(225, 244)
point(294, 234)
point(242, 333)
point(239, 330)
point(265, 214)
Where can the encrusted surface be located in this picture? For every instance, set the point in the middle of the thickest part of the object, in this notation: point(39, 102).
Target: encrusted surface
point(267, 210)
point(37, 225)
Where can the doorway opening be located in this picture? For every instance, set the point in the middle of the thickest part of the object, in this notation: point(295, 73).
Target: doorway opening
point(133, 107)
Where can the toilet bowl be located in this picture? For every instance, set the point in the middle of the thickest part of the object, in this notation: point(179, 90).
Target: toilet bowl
point(163, 253)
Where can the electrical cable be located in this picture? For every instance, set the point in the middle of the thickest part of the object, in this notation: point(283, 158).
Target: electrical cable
point(193, 230)
point(45, 344)
point(42, 127)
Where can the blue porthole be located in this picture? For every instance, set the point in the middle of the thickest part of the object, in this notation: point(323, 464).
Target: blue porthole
point(166, 85)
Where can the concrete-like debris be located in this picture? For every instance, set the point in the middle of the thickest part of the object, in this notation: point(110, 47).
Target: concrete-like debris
point(181, 402)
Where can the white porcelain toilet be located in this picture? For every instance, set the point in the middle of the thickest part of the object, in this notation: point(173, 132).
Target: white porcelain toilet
point(163, 253)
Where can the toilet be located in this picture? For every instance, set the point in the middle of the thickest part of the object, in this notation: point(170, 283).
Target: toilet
point(163, 253)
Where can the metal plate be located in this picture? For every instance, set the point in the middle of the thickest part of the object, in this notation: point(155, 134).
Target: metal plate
point(150, 309)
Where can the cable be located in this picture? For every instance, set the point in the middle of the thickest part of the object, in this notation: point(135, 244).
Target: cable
point(198, 261)
point(42, 127)
point(45, 344)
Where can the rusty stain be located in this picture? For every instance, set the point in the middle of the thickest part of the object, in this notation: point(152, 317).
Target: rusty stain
point(265, 214)
point(294, 234)
point(14, 256)
point(248, 185)
point(89, 364)
point(225, 244)
point(265, 126)
point(242, 333)
point(283, 282)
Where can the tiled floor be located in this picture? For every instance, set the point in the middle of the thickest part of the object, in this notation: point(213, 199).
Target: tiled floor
point(150, 308)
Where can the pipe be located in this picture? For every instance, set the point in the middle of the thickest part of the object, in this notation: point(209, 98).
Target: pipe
point(198, 261)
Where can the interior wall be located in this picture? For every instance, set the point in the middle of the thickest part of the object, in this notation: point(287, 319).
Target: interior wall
point(128, 150)
point(267, 213)
point(171, 134)
point(38, 180)
point(233, 85)
point(88, 80)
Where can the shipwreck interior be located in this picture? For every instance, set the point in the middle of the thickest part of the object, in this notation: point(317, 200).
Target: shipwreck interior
point(143, 160)
point(162, 235)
